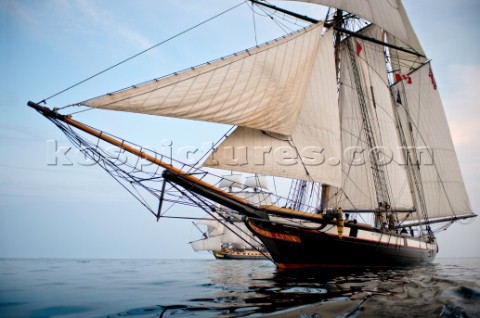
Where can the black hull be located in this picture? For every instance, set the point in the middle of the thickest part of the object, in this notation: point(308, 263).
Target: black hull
point(316, 244)
point(294, 247)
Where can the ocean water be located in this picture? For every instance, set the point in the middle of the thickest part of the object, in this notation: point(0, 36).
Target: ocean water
point(232, 288)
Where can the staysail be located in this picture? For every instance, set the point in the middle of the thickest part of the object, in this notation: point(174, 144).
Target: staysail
point(261, 88)
point(312, 151)
point(425, 124)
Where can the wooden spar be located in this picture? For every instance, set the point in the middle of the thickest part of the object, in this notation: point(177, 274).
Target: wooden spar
point(336, 28)
point(184, 179)
point(370, 39)
point(173, 174)
point(96, 133)
point(446, 219)
point(293, 14)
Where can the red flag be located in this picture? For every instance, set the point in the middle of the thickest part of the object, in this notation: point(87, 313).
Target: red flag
point(359, 47)
point(400, 77)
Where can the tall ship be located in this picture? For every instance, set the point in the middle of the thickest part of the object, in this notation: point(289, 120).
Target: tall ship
point(226, 236)
point(346, 109)
point(232, 242)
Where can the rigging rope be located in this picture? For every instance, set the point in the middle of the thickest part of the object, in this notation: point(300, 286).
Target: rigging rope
point(142, 52)
point(254, 25)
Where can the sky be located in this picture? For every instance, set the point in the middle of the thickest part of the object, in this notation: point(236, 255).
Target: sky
point(52, 205)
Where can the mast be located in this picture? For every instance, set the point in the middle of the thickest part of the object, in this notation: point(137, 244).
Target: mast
point(337, 21)
point(324, 198)
point(378, 171)
point(413, 171)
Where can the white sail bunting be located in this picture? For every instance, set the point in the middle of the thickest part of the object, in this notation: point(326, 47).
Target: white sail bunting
point(312, 152)
point(389, 15)
point(261, 88)
point(429, 134)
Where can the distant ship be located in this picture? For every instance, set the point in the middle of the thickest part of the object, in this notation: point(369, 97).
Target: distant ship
point(226, 236)
point(347, 107)
point(224, 243)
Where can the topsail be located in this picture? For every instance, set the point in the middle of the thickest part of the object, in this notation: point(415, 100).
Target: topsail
point(389, 15)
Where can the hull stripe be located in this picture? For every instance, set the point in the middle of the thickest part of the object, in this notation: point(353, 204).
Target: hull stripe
point(274, 235)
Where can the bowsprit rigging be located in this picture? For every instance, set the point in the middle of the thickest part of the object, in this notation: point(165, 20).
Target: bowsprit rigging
point(345, 108)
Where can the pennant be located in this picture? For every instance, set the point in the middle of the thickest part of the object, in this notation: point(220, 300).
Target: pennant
point(359, 47)
point(398, 77)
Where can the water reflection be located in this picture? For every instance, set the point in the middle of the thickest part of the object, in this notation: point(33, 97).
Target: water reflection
point(208, 288)
point(243, 288)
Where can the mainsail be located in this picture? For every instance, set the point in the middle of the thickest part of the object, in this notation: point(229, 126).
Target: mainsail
point(431, 147)
point(358, 186)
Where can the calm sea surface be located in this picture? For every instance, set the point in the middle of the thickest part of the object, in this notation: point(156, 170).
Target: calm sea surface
point(208, 288)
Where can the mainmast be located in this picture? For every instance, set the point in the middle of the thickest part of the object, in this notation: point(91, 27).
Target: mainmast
point(378, 170)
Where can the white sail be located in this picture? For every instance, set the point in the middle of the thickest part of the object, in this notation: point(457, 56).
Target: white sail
point(389, 15)
point(428, 132)
point(213, 226)
point(219, 234)
point(240, 235)
point(358, 188)
point(208, 244)
point(261, 88)
point(315, 139)
point(403, 62)
point(256, 182)
point(231, 181)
